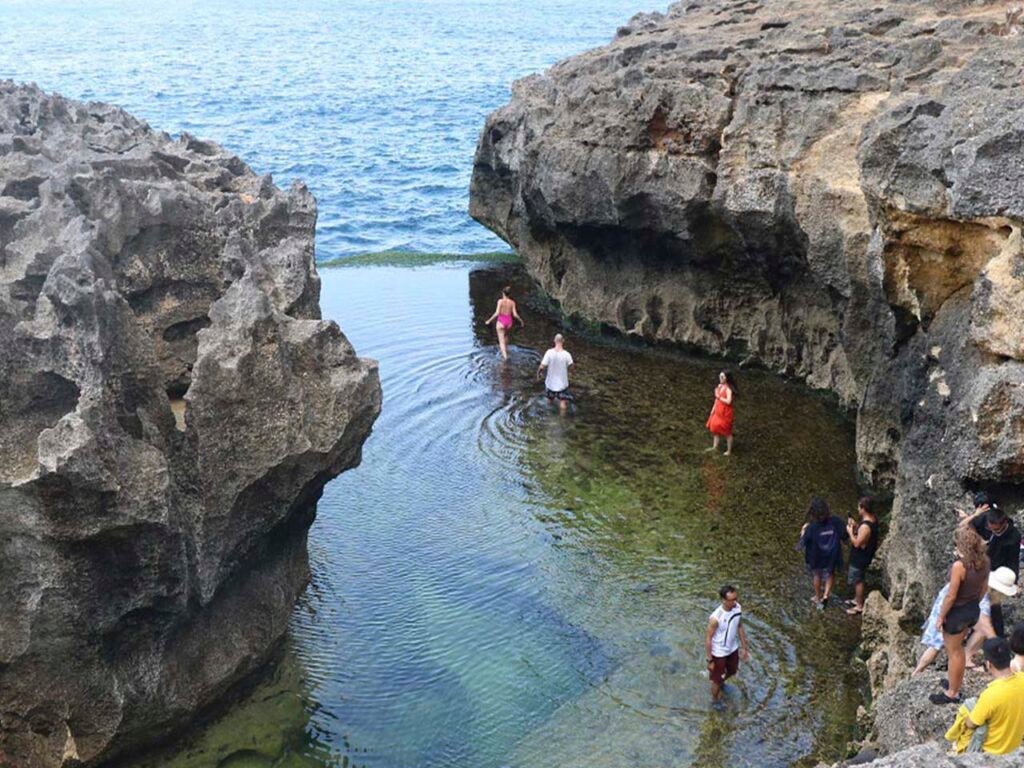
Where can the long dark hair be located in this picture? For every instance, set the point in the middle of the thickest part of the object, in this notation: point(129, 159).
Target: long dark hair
point(817, 510)
point(731, 381)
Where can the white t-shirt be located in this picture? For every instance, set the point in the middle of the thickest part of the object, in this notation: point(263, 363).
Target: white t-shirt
point(727, 636)
point(557, 363)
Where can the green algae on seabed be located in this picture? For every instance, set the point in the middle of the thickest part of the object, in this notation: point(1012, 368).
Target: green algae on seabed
point(415, 259)
point(267, 729)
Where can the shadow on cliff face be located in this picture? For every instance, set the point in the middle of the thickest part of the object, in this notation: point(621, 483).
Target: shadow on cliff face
point(37, 401)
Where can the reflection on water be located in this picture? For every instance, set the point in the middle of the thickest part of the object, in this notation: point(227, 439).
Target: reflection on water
point(499, 585)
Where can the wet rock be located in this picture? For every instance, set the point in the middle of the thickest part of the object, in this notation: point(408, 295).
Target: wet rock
point(172, 405)
point(831, 190)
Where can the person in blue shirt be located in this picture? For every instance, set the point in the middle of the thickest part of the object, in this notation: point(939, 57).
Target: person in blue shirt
point(822, 539)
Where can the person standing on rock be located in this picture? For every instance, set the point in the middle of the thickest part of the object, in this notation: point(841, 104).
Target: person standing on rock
point(931, 637)
point(556, 363)
point(1002, 539)
point(719, 423)
point(821, 540)
point(968, 583)
point(724, 639)
point(863, 535)
point(504, 313)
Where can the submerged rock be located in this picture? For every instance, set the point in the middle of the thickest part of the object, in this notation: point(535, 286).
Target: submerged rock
point(172, 405)
point(831, 190)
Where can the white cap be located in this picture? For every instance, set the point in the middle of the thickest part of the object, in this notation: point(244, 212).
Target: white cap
point(1002, 580)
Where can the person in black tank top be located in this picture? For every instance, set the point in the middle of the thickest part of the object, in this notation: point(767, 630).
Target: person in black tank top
point(968, 579)
point(863, 545)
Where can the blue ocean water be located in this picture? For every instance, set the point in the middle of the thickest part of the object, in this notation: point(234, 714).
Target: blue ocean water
point(375, 104)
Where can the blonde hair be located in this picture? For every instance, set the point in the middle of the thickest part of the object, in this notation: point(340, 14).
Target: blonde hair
point(971, 547)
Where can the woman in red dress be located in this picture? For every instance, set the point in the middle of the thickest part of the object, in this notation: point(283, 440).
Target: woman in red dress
point(720, 420)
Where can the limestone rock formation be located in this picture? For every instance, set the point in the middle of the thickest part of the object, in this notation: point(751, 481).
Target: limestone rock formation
point(834, 190)
point(934, 755)
point(171, 405)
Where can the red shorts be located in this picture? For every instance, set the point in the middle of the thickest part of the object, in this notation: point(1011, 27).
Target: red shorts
point(723, 667)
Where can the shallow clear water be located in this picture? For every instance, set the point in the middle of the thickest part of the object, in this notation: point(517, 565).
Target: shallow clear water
point(498, 585)
point(376, 104)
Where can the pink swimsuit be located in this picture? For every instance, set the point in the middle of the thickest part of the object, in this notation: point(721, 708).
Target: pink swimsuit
point(505, 321)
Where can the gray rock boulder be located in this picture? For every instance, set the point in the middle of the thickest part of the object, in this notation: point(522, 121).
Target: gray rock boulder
point(904, 717)
point(833, 190)
point(934, 755)
point(171, 406)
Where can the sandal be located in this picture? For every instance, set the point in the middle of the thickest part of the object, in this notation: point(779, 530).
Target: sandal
point(854, 611)
point(941, 698)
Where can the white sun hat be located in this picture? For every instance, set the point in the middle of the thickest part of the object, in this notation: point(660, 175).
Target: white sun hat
point(1002, 580)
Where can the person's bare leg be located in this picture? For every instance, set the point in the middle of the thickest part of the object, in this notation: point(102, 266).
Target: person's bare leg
point(816, 579)
point(927, 659)
point(563, 406)
point(829, 582)
point(857, 606)
point(983, 630)
point(728, 445)
point(502, 343)
point(714, 444)
point(957, 659)
point(716, 690)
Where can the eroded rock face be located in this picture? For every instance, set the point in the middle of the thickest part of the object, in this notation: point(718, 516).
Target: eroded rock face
point(834, 190)
point(935, 755)
point(172, 405)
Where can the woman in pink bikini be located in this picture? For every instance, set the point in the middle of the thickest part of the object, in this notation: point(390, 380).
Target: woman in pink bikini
point(505, 312)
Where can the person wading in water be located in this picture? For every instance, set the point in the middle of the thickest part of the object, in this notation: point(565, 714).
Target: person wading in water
point(504, 313)
point(720, 421)
point(555, 367)
point(821, 540)
point(724, 637)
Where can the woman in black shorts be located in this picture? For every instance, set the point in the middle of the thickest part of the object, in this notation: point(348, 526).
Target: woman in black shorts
point(968, 582)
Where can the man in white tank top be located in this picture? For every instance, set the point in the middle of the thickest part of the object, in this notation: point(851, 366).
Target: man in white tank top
point(724, 638)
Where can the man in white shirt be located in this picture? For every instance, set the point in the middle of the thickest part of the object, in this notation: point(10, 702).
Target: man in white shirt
point(723, 640)
point(557, 362)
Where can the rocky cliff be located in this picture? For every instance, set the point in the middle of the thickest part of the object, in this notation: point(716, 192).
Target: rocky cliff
point(834, 190)
point(171, 405)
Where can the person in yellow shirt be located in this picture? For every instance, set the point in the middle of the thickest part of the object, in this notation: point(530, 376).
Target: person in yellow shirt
point(1001, 704)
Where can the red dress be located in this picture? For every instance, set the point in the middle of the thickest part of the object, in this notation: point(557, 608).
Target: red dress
point(720, 421)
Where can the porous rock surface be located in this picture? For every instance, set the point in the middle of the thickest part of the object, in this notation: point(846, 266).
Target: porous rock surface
point(171, 405)
point(834, 190)
point(935, 755)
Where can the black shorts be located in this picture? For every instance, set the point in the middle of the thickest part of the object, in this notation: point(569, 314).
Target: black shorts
point(563, 394)
point(961, 617)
